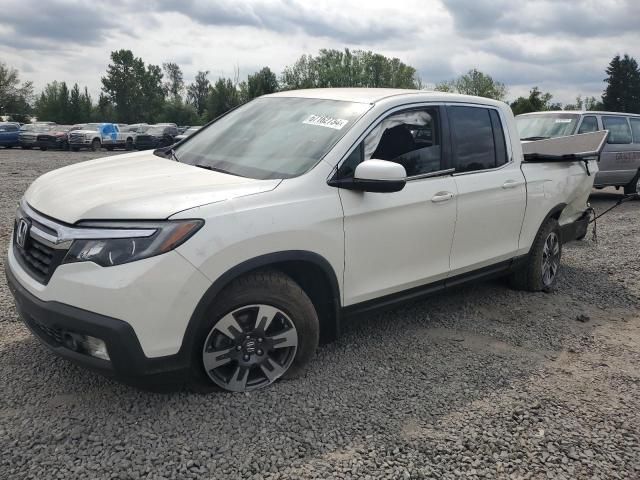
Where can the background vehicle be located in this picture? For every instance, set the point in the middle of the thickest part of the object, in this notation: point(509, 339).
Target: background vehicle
point(189, 131)
point(225, 260)
point(56, 137)
point(620, 160)
point(28, 137)
point(98, 135)
point(156, 136)
point(9, 133)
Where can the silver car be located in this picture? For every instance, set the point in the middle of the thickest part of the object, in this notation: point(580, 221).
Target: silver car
point(620, 160)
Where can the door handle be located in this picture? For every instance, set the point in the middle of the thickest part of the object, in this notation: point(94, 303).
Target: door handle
point(442, 197)
point(511, 184)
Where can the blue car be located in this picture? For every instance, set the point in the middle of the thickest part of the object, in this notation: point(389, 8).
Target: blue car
point(9, 132)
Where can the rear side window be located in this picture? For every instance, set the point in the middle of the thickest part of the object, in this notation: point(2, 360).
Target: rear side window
point(498, 138)
point(589, 124)
point(474, 144)
point(619, 130)
point(635, 128)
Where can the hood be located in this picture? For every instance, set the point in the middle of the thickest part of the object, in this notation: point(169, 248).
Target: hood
point(137, 186)
point(84, 132)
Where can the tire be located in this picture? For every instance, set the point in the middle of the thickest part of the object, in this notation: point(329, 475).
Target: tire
point(44, 149)
point(25, 147)
point(75, 149)
point(289, 314)
point(128, 145)
point(633, 186)
point(95, 145)
point(533, 276)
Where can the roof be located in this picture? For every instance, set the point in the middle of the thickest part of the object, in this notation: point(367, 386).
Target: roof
point(373, 95)
point(582, 112)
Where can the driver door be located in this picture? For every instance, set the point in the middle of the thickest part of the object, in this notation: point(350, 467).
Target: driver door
point(401, 240)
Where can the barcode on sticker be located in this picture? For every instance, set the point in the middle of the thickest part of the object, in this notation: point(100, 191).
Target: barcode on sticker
point(563, 120)
point(323, 121)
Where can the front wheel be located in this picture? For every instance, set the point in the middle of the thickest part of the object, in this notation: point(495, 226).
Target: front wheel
point(95, 145)
point(261, 327)
point(540, 270)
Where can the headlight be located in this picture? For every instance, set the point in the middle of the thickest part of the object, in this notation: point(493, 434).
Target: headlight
point(158, 237)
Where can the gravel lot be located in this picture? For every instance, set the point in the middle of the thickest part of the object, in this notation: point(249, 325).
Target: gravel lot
point(479, 382)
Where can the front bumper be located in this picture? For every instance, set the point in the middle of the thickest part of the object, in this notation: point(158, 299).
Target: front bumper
point(51, 320)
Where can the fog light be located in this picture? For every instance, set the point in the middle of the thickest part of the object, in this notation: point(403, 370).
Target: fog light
point(94, 346)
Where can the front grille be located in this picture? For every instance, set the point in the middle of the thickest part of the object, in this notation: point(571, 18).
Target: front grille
point(76, 138)
point(37, 258)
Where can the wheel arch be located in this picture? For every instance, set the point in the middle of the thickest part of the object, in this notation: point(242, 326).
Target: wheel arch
point(311, 271)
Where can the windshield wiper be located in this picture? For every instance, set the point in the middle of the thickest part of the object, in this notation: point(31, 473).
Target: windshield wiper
point(167, 153)
point(534, 138)
point(209, 167)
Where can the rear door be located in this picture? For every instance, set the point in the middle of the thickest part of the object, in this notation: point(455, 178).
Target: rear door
point(620, 158)
point(490, 185)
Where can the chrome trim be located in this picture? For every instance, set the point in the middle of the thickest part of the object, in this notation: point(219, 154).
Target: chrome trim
point(65, 234)
point(437, 173)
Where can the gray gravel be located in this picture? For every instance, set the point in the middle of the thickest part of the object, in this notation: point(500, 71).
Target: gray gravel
point(479, 382)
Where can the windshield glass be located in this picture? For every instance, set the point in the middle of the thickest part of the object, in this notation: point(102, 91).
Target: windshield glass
point(541, 126)
point(272, 137)
point(155, 130)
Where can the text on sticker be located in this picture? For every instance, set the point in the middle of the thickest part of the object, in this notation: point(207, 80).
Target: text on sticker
point(563, 120)
point(323, 121)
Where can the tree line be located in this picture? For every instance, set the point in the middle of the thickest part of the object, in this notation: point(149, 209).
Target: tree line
point(133, 91)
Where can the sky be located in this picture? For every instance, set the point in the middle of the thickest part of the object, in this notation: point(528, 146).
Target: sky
point(561, 46)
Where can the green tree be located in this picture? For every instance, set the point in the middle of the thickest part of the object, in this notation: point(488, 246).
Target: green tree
point(135, 91)
point(223, 97)
point(259, 83)
point(86, 107)
point(174, 84)
point(622, 93)
point(15, 96)
point(474, 82)
point(198, 91)
point(75, 105)
point(49, 105)
point(535, 102)
point(179, 112)
point(334, 68)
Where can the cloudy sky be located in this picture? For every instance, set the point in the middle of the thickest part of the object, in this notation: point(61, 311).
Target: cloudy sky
point(561, 46)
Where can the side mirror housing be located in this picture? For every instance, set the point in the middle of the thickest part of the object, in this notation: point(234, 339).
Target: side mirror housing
point(379, 176)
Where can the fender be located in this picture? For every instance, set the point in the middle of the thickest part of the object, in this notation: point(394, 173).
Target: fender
point(247, 266)
point(554, 212)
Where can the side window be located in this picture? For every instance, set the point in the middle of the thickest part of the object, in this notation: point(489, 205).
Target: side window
point(473, 139)
point(410, 138)
point(498, 138)
point(12, 128)
point(619, 131)
point(635, 128)
point(589, 124)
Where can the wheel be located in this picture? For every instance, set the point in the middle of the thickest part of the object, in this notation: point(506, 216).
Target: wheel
point(95, 145)
point(128, 145)
point(633, 186)
point(25, 147)
point(44, 149)
point(75, 149)
point(540, 271)
point(260, 328)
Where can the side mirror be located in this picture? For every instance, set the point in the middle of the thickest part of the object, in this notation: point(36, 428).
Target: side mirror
point(379, 176)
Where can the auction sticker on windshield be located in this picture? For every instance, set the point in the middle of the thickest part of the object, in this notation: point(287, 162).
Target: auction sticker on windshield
point(323, 121)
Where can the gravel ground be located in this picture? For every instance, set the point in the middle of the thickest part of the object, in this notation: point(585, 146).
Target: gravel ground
point(479, 382)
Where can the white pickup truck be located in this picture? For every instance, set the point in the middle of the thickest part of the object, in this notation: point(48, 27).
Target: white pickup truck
point(98, 135)
point(226, 259)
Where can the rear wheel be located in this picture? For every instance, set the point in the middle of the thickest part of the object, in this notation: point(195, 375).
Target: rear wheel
point(633, 186)
point(261, 327)
point(95, 145)
point(128, 145)
point(540, 271)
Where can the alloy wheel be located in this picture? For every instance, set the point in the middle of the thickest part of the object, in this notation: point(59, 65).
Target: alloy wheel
point(250, 348)
point(550, 259)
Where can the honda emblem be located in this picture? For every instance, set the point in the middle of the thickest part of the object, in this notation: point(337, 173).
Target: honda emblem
point(22, 232)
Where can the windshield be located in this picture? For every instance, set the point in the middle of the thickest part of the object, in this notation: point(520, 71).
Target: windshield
point(271, 137)
point(551, 125)
point(155, 130)
point(28, 127)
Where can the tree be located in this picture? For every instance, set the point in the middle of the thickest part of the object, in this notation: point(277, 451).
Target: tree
point(622, 93)
point(334, 68)
point(535, 102)
point(223, 97)
point(15, 97)
point(177, 111)
point(474, 82)
point(75, 106)
point(174, 85)
point(260, 83)
point(198, 91)
point(135, 91)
